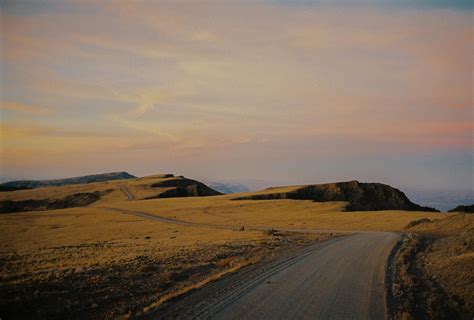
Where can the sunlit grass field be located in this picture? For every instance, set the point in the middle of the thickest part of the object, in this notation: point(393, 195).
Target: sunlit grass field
point(276, 213)
point(87, 249)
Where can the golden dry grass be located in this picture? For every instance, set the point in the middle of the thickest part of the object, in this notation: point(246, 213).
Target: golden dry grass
point(224, 210)
point(141, 189)
point(61, 192)
point(72, 256)
point(455, 223)
point(449, 258)
point(102, 235)
point(276, 213)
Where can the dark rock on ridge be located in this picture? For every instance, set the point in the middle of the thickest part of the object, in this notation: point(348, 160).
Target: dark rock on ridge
point(361, 196)
point(183, 187)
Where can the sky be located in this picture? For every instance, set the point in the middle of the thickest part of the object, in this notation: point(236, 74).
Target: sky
point(264, 92)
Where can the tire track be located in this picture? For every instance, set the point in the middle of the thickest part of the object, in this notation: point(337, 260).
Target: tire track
point(338, 278)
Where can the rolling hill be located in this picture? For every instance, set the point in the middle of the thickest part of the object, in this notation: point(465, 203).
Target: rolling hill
point(182, 187)
point(360, 196)
point(32, 184)
point(69, 193)
point(73, 194)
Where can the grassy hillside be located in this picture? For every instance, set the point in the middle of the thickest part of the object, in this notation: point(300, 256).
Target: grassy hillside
point(94, 263)
point(224, 210)
point(360, 196)
point(68, 196)
point(356, 196)
point(31, 184)
point(435, 278)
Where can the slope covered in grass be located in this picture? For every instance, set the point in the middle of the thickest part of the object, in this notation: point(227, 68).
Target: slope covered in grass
point(31, 184)
point(360, 196)
point(434, 277)
point(77, 195)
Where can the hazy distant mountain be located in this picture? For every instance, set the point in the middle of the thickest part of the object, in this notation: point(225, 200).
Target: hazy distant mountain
point(31, 184)
point(441, 199)
point(465, 209)
point(228, 188)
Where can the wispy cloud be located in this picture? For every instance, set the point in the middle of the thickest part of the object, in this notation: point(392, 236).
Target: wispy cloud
point(247, 79)
point(25, 108)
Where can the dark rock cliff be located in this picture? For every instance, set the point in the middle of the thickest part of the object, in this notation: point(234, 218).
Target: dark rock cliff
point(360, 196)
point(183, 187)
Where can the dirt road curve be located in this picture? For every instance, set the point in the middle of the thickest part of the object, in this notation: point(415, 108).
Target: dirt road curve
point(127, 192)
point(342, 278)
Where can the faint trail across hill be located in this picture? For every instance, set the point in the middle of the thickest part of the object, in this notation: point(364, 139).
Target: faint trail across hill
point(342, 278)
point(151, 216)
point(127, 192)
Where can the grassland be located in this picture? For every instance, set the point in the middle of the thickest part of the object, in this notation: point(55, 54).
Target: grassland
point(141, 188)
point(277, 213)
point(70, 196)
point(96, 263)
point(435, 278)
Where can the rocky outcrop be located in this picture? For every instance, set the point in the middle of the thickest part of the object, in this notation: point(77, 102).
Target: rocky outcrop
point(183, 187)
point(360, 196)
point(31, 184)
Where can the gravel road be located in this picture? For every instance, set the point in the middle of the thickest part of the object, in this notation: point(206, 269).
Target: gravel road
point(342, 278)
